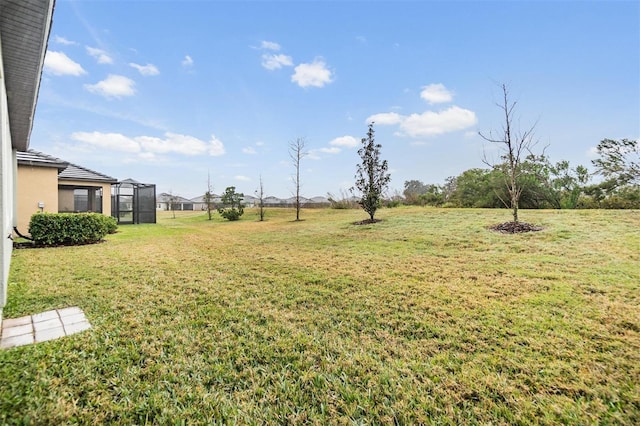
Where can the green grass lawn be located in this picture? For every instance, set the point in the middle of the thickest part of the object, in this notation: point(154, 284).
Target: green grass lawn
point(425, 317)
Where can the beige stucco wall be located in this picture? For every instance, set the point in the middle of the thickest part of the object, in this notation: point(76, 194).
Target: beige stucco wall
point(35, 185)
point(106, 192)
point(7, 162)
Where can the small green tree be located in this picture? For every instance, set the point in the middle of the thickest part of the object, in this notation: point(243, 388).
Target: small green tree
point(413, 189)
point(232, 207)
point(619, 161)
point(372, 178)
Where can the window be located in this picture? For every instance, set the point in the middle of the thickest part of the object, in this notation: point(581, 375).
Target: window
point(79, 199)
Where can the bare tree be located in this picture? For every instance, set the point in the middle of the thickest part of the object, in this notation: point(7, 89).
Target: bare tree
point(297, 152)
point(172, 201)
point(514, 145)
point(260, 195)
point(208, 197)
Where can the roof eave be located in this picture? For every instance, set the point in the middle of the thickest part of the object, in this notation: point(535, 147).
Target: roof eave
point(59, 166)
point(22, 98)
point(111, 181)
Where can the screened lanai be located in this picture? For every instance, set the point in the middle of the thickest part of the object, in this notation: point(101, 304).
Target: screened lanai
point(133, 202)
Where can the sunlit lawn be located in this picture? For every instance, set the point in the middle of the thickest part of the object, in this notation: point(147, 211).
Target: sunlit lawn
point(425, 317)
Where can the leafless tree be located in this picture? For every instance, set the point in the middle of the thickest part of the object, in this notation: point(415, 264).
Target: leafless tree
point(514, 146)
point(172, 201)
point(260, 195)
point(297, 152)
point(208, 197)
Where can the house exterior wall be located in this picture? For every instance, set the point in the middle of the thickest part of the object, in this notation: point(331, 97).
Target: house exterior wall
point(7, 163)
point(106, 193)
point(35, 185)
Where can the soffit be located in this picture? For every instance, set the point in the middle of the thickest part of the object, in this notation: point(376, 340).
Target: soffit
point(24, 32)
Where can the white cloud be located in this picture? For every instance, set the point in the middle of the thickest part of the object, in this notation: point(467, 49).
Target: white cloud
point(112, 141)
point(436, 94)
point(385, 118)
point(330, 150)
point(114, 86)
point(592, 152)
point(272, 62)
point(61, 40)
point(242, 178)
point(101, 56)
point(57, 63)
point(315, 74)
point(146, 70)
point(346, 141)
point(187, 61)
point(249, 150)
point(269, 45)
point(429, 123)
point(215, 147)
point(149, 146)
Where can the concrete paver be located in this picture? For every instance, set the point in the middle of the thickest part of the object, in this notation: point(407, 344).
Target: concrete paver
point(41, 327)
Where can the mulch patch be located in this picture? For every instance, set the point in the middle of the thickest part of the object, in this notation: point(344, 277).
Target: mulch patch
point(30, 245)
point(515, 227)
point(367, 221)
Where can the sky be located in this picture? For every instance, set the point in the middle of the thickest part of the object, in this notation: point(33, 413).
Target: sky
point(179, 93)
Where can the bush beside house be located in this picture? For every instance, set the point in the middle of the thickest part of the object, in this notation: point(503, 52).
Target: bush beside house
point(70, 228)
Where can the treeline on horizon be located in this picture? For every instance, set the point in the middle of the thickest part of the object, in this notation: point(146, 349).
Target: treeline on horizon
point(544, 184)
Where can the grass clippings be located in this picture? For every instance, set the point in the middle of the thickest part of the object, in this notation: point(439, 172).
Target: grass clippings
point(426, 318)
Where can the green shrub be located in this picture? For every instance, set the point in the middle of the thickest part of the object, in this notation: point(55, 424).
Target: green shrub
point(392, 203)
point(110, 223)
point(232, 207)
point(70, 228)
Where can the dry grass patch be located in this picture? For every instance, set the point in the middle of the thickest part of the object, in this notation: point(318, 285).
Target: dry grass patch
point(425, 317)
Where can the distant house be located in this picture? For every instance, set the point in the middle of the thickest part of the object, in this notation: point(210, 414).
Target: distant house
point(272, 201)
point(171, 202)
point(199, 203)
point(49, 184)
point(250, 201)
point(319, 200)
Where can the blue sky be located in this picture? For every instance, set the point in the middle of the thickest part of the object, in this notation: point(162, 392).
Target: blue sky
point(167, 92)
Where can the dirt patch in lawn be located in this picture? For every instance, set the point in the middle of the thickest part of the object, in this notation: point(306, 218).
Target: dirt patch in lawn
point(367, 221)
point(515, 227)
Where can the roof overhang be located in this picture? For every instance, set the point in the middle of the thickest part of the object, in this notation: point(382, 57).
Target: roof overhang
point(24, 32)
point(88, 180)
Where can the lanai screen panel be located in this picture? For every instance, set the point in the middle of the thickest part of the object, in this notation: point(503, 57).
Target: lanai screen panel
point(146, 206)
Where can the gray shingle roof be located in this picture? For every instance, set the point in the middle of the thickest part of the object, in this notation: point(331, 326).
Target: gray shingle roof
point(24, 31)
point(34, 158)
point(70, 172)
point(164, 198)
point(75, 172)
